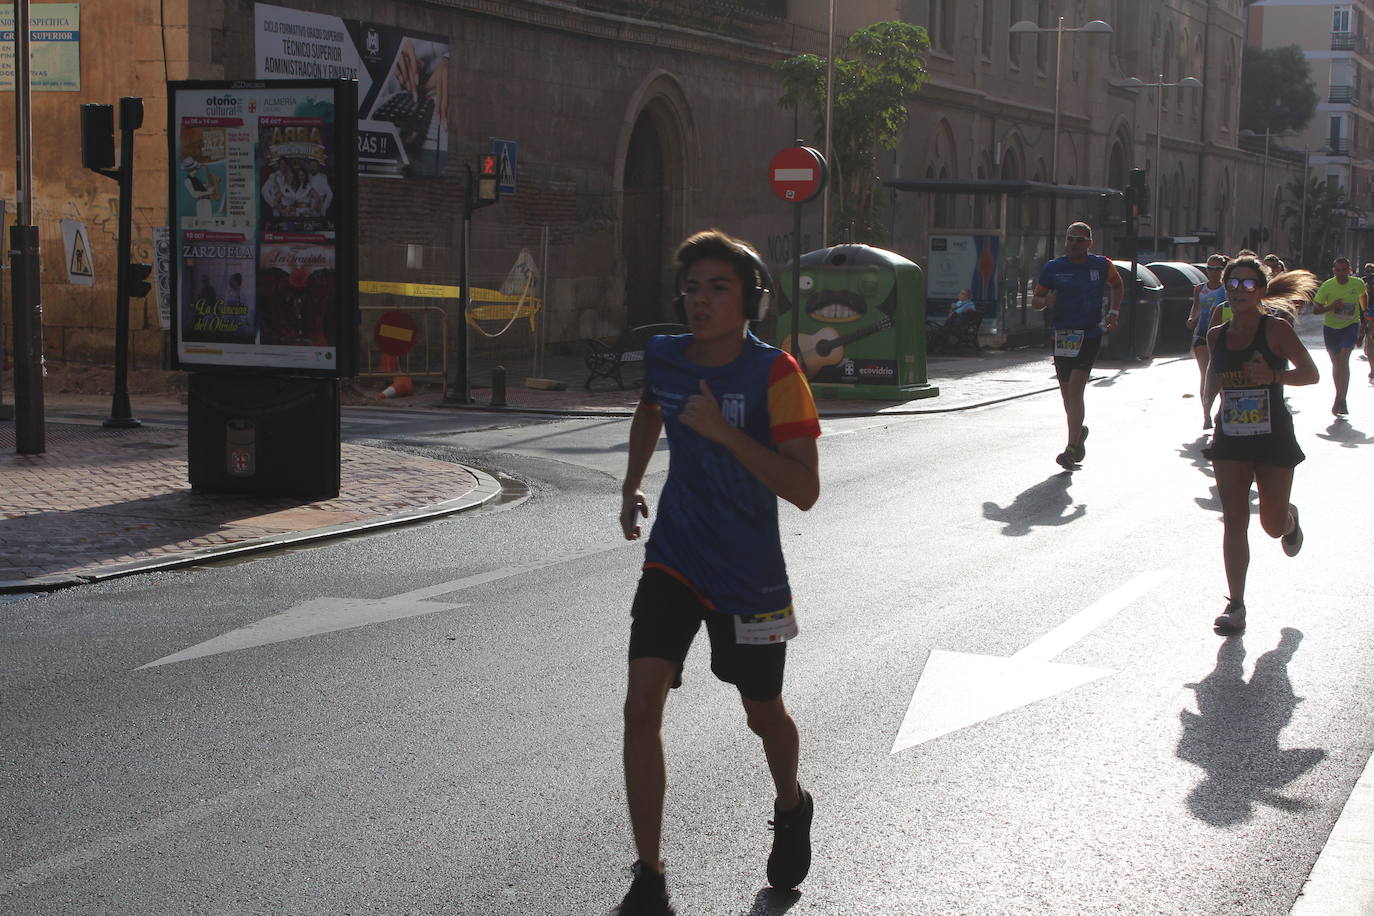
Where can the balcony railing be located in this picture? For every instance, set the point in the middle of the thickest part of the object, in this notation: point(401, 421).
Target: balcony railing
point(1349, 41)
point(1340, 146)
point(1341, 94)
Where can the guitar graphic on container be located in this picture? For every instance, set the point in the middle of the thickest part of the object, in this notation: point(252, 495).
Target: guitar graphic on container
point(826, 346)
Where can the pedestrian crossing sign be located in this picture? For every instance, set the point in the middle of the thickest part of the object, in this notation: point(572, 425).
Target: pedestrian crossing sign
point(506, 152)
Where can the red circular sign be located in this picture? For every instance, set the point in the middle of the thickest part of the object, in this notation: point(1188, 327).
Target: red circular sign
point(395, 333)
point(797, 174)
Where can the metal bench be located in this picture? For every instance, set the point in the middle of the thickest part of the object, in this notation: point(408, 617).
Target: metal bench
point(608, 360)
point(959, 331)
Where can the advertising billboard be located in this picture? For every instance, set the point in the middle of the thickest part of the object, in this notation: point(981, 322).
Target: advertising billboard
point(264, 237)
point(402, 79)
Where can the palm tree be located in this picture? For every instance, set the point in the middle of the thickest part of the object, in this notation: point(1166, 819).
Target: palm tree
point(1315, 234)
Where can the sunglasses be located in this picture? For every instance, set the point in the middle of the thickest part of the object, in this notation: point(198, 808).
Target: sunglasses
point(1247, 282)
point(1078, 238)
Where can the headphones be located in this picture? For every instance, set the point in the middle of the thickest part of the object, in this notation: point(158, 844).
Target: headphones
point(757, 297)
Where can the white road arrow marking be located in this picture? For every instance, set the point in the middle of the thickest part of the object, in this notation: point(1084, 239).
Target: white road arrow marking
point(327, 615)
point(959, 689)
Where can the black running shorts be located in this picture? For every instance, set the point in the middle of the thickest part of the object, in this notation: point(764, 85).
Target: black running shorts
point(665, 617)
point(1087, 355)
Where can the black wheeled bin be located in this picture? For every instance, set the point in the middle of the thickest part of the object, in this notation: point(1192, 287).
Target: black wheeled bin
point(1138, 325)
point(1179, 279)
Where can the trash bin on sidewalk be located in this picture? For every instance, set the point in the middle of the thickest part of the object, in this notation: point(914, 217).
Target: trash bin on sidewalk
point(1179, 279)
point(861, 329)
point(1138, 326)
point(265, 435)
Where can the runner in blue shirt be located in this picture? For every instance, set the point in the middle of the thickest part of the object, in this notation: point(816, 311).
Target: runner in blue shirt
point(1074, 286)
point(742, 428)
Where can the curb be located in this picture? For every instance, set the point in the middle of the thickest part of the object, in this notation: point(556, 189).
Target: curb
point(573, 413)
point(488, 488)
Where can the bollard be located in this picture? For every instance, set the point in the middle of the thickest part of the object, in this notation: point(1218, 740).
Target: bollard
point(498, 387)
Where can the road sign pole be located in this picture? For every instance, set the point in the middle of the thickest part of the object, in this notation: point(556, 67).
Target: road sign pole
point(796, 175)
point(796, 282)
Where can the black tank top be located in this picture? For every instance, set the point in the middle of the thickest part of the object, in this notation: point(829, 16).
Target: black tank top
point(1253, 422)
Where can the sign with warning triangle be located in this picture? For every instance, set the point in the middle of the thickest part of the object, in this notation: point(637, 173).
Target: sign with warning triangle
point(80, 259)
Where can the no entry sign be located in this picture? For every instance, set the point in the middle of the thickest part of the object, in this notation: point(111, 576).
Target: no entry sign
point(395, 333)
point(797, 174)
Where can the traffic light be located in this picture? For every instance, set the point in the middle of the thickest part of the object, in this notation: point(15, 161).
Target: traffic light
point(1140, 191)
point(136, 279)
point(488, 179)
point(97, 136)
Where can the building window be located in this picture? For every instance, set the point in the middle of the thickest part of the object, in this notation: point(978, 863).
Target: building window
point(942, 24)
point(1014, 44)
point(1043, 39)
point(1340, 19)
point(987, 28)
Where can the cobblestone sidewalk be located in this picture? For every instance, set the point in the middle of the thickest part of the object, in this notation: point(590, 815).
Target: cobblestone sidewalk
point(102, 502)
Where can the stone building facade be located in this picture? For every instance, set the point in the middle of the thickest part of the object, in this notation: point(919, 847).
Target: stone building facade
point(641, 120)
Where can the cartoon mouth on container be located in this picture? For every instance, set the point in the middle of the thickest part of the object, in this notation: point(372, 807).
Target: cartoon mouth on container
point(836, 306)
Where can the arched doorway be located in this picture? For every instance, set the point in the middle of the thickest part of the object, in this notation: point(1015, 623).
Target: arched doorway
point(641, 239)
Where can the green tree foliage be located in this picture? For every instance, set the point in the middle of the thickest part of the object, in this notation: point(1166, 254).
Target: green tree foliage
point(878, 71)
point(1329, 211)
point(1276, 90)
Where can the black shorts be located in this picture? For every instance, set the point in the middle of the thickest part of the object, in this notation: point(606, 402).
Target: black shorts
point(1087, 355)
point(665, 617)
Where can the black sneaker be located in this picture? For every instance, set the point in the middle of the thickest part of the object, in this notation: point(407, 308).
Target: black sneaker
point(1292, 541)
point(648, 894)
point(1065, 459)
point(1080, 451)
point(790, 859)
point(1339, 408)
point(1231, 620)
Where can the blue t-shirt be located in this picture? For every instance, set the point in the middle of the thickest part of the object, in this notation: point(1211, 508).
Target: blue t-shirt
point(1079, 290)
point(716, 527)
point(1207, 299)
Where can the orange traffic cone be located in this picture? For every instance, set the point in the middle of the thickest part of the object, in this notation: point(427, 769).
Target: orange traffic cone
point(401, 386)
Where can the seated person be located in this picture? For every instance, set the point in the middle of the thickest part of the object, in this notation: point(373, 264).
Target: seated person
point(962, 306)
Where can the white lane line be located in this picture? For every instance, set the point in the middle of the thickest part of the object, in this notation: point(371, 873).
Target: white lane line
point(78, 856)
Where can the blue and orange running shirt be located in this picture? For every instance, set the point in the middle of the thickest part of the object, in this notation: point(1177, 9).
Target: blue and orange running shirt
point(1079, 290)
point(716, 524)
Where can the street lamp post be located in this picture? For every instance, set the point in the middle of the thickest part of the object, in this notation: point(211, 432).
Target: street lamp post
point(1024, 27)
point(1264, 171)
point(1159, 85)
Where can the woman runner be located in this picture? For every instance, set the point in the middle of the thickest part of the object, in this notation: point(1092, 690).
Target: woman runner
point(1254, 441)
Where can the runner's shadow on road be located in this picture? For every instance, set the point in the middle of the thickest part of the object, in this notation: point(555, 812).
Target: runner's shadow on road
point(1193, 452)
point(770, 902)
point(1043, 505)
point(1348, 436)
point(1234, 735)
point(1213, 502)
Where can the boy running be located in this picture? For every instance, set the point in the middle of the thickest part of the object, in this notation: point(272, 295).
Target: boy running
point(742, 430)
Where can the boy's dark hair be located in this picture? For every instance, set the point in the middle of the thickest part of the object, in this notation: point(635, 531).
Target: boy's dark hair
point(716, 245)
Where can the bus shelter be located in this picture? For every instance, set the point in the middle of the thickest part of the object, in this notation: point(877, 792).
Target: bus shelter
point(1011, 229)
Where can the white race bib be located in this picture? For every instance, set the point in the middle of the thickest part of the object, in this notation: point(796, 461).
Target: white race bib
point(1067, 343)
point(767, 628)
point(1245, 412)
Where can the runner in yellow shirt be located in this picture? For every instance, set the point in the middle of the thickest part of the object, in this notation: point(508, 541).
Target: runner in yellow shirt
point(1343, 301)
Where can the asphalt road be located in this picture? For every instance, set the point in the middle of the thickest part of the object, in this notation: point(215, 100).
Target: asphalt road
point(1010, 695)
